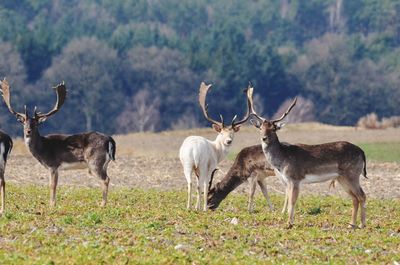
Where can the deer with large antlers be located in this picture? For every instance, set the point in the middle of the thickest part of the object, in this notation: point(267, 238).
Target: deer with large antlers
point(300, 164)
point(201, 156)
point(6, 145)
point(90, 150)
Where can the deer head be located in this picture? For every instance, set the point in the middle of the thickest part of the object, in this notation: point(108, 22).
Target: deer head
point(267, 128)
point(31, 123)
point(225, 132)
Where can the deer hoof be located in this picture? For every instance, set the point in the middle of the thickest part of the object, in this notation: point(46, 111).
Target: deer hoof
point(351, 226)
point(289, 226)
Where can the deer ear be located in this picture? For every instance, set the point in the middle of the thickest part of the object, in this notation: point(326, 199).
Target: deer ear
point(42, 119)
point(279, 126)
point(21, 119)
point(217, 127)
point(236, 128)
point(255, 123)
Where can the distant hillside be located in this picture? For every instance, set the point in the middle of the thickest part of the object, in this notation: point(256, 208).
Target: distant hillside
point(136, 65)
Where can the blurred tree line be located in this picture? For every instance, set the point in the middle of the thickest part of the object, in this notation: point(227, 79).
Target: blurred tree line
point(136, 65)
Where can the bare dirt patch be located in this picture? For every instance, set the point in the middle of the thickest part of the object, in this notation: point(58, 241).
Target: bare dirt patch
point(150, 161)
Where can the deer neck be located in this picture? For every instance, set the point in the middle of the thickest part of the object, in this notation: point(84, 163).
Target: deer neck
point(273, 151)
point(34, 142)
point(221, 150)
point(219, 192)
point(247, 161)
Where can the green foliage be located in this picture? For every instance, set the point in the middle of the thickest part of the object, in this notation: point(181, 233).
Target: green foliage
point(150, 226)
point(340, 58)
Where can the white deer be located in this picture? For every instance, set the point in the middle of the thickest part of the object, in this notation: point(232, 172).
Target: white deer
point(202, 156)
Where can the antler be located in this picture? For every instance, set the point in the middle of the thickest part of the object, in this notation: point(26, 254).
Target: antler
point(249, 106)
point(61, 91)
point(287, 112)
point(5, 91)
point(202, 100)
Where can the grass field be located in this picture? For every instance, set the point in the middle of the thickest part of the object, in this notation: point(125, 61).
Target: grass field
point(153, 227)
point(146, 221)
point(382, 152)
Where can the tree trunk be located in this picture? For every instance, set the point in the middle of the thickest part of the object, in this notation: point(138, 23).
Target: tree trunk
point(88, 118)
point(285, 6)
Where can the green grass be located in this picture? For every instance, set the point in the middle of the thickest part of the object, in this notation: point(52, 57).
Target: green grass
point(382, 152)
point(146, 226)
point(379, 152)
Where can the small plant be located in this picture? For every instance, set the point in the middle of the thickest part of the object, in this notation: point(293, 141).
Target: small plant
point(68, 220)
point(94, 218)
point(314, 211)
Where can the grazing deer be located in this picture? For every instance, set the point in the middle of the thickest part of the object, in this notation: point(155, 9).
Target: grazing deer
point(302, 164)
point(90, 150)
point(202, 156)
point(6, 145)
point(249, 165)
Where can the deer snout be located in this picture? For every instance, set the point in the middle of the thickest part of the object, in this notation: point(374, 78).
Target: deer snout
point(28, 132)
point(228, 141)
point(264, 138)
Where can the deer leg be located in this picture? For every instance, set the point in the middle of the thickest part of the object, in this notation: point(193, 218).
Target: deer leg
point(198, 199)
point(189, 199)
point(286, 199)
point(3, 192)
point(252, 182)
point(53, 186)
point(188, 176)
point(362, 199)
point(98, 166)
point(293, 195)
point(106, 182)
point(205, 181)
point(353, 223)
point(205, 195)
point(102, 174)
point(350, 189)
point(264, 190)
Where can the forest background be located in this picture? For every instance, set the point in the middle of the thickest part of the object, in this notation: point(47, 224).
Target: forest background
point(136, 65)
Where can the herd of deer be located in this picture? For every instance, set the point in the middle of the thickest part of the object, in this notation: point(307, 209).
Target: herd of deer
point(294, 164)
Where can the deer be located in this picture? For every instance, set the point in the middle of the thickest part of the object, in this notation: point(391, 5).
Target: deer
point(298, 164)
point(249, 165)
point(6, 145)
point(89, 150)
point(201, 156)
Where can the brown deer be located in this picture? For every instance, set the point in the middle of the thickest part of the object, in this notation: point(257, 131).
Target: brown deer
point(250, 164)
point(302, 164)
point(90, 150)
point(6, 145)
